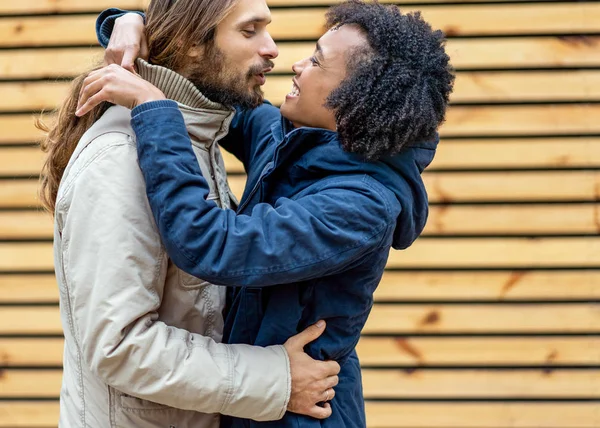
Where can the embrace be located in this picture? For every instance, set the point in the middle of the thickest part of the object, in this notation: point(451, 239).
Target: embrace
point(183, 307)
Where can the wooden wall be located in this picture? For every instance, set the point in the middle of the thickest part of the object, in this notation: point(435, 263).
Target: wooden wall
point(490, 320)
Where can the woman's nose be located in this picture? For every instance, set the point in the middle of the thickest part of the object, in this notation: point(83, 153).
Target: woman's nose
point(298, 67)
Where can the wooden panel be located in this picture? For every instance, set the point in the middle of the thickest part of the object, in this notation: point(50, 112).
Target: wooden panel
point(517, 153)
point(28, 288)
point(20, 161)
point(499, 253)
point(394, 319)
point(552, 219)
point(62, 6)
point(480, 87)
point(491, 286)
point(452, 154)
point(18, 320)
point(473, 351)
point(466, 53)
point(481, 384)
point(26, 256)
point(309, 23)
point(391, 383)
point(30, 414)
point(442, 187)
point(401, 286)
point(480, 318)
point(462, 121)
point(482, 415)
point(387, 351)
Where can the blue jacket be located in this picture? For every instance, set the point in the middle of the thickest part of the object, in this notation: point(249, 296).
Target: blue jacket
point(313, 217)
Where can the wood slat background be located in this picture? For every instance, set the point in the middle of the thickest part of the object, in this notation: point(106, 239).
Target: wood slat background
point(491, 319)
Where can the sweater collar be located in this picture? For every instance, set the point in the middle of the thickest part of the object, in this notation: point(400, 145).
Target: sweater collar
point(206, 121)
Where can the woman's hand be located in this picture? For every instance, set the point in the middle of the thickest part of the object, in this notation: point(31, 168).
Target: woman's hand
point(117, 86)
point(127, 42)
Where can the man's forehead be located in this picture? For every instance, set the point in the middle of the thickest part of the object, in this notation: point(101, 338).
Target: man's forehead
point(247, 11)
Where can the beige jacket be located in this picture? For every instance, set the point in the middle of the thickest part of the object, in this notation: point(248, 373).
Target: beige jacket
point(141, 336)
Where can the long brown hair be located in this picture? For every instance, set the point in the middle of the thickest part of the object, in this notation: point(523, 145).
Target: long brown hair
point(173, 28)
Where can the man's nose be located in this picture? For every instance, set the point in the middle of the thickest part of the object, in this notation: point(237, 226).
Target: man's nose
point(269, 49)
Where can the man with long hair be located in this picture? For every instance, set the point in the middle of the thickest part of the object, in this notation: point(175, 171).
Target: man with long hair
point(142, 337)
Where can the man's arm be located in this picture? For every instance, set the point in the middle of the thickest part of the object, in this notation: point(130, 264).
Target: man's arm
point(115, 268)
point(298, 240)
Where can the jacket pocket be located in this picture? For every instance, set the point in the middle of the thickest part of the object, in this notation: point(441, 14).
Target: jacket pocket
point(191, 282)
point(129, 402)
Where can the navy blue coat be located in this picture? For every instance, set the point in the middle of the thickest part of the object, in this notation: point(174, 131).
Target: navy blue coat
point(310, 240)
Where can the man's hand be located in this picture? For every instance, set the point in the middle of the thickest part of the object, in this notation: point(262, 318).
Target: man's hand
point(312, 380)
point(117, 86)
point(127, 42)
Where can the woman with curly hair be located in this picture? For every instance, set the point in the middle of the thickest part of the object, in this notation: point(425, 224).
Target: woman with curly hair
point(334, 182)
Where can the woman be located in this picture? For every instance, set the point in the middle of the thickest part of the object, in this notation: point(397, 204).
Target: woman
point(333, 183)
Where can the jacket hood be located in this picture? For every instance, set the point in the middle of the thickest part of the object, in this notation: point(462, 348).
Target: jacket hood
point(322, 154)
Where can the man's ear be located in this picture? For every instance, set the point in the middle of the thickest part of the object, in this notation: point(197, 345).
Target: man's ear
point(196, 51)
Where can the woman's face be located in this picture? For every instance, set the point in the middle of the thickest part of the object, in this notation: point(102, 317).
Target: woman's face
point(317, 76)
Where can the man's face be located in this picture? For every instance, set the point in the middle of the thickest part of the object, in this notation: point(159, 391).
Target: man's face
point(232, 70)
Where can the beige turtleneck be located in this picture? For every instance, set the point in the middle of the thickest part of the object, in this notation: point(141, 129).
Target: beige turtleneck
point(206, 122)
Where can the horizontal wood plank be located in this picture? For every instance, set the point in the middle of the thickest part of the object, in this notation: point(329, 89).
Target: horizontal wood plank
point(452, 154)
point(547, 285)
point(387, 351)
point(68, 6)
point(32, 414)
point(471, 87)
point(495, 53)
point(551, 219)
point(480, 318)
point(482, 415)
point(421, 384)
point(26, 288)
point(468, 253)
point(462, 121)
point(577, 186)
point(425, 253)
point(400, 286)
point(308, 23)
point(394, 319)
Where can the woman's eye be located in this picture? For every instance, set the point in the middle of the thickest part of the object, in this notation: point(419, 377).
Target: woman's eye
point(314, 60)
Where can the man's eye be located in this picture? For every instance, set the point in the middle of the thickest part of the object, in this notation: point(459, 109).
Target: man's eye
point(249, 32)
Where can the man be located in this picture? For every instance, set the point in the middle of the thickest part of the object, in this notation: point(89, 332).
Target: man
point(141, 336)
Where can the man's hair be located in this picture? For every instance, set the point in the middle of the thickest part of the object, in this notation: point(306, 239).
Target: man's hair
point(397, 88)
point(173, 27)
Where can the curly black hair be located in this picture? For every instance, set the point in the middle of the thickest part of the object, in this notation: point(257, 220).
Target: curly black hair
point(397, 88)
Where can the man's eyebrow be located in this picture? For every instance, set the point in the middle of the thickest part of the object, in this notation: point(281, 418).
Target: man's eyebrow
point(255, 20)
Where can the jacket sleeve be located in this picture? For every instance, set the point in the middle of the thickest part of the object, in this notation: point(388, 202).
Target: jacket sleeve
point(106, 22)
point(115, 268)
point(294, 240)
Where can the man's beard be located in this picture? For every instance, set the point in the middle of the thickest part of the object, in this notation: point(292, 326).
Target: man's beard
point(224, 86)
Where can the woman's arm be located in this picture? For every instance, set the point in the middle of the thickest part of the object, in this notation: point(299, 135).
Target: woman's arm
point(294, 240)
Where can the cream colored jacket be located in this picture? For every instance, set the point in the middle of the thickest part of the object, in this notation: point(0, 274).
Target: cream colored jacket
point(141, 336)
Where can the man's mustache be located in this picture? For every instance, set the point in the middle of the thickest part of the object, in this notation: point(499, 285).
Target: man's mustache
point(258, 68)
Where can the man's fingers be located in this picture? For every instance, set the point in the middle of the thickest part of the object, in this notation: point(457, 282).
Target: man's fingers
point(330, 368)
point(321, 412)
point(330, 382)
point(310, 334)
